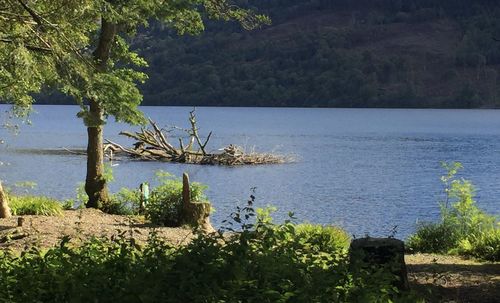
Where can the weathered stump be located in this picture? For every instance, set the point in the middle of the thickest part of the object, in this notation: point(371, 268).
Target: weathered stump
point(4, 204)
point(381, 252)
point(196, 213)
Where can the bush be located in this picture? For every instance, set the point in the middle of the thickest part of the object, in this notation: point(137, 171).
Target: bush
point(165, 202)
point(34, 205)
point(117, 207)
point(163, 206)
point(126, 202)
point(485, 246)
point(262, 262)
point(464, 228)
point(323, 238)
point(433, 238)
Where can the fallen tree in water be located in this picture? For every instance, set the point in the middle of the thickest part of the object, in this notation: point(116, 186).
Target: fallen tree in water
point(152, 144)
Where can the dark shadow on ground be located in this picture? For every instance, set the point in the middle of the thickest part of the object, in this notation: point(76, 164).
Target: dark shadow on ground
point(475, 283)
point(3, 227)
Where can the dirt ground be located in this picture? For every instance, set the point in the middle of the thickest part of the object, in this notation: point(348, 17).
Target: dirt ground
point(80, 224)
point(453, 279)
point(435, 277)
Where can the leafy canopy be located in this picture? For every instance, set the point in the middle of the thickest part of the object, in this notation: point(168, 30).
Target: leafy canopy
point(47, 43)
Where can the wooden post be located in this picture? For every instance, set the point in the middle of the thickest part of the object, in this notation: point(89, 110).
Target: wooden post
point(194, 213)
point(4, 204)
point(186, 192)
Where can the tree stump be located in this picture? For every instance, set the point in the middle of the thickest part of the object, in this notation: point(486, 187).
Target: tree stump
point(194, 213)
point(387, 252)
point(4, 204)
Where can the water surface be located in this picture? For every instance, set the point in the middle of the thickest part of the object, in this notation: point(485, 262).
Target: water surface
point(367, 170)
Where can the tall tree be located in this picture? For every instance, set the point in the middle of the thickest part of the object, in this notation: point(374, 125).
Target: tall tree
point(81, 48)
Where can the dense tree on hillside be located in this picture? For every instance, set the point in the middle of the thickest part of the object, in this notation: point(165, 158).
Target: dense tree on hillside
point(300, 61)
point(331, 53)
point(81, 48)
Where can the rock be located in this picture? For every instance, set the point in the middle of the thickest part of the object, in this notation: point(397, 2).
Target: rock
point(382, 252)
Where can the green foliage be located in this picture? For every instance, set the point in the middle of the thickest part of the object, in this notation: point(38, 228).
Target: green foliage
point(165, 202)
point(68, 204)
point(485, 246)
point(62, 56)
point(34, 205)
point(116, 207)
point(323, 237)
point(80, 199)
point(261, 263)
point(322, 64)
point(124, 202)
point(163, 206)
point(464, 228)
point(433, 238)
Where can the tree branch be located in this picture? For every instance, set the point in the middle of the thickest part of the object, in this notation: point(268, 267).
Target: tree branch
point(32, 13)
point(29, 47)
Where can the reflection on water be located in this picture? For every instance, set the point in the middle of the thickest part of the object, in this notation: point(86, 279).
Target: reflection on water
point(365, 169)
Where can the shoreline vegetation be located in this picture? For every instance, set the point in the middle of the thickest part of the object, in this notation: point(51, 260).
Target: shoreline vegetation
point(435, 277)
point(297, 262)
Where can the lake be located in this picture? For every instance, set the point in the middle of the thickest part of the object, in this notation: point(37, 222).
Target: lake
point(366, 170)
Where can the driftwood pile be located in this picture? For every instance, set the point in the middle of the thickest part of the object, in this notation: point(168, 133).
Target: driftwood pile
point(152, 144)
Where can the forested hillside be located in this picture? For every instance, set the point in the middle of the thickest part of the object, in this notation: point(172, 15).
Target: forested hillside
point(339, 53)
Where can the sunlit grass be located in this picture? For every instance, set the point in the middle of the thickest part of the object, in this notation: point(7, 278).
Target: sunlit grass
point(34, 205)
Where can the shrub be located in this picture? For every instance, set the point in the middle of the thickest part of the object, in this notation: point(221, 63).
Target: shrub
point(486, 246)
point(165, 202)
point(433, 238)
point(261, 263)
point(126, 202)
point(34, 205)
point(323, 238)
point(163, 206)
point(117, 207)
point(464, 228)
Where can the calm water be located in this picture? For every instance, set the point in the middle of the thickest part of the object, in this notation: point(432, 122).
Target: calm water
point(364, 169)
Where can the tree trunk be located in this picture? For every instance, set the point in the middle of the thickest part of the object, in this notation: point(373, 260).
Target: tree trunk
point(95, 184)
point(4, 204)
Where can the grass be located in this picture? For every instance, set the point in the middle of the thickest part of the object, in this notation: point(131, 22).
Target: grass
point(34, 205)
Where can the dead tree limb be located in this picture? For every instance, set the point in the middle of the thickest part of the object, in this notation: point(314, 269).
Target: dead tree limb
point(152, 145)
point(162, 137)
point(194, 132)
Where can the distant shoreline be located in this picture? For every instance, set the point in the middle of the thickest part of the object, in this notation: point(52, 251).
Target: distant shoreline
point(287, 106)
